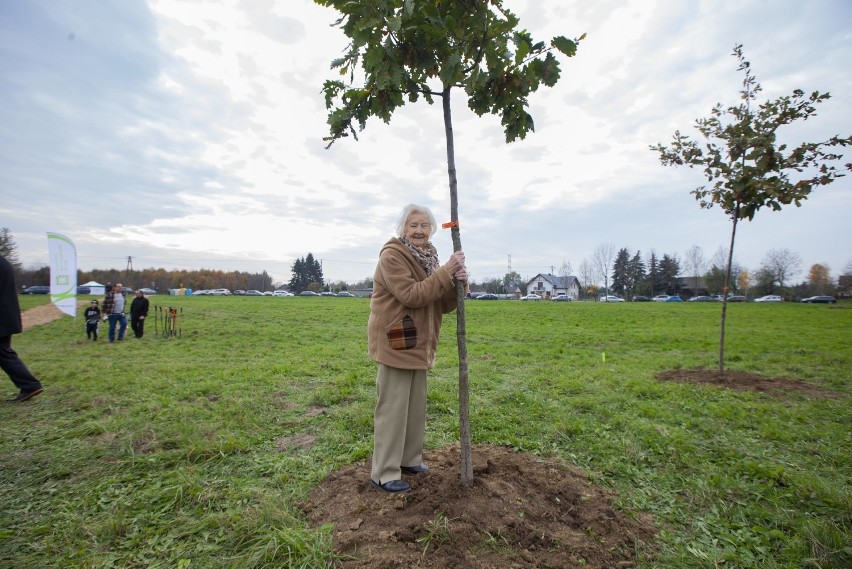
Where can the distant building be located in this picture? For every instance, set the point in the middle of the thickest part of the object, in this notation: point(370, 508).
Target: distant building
point(692, 286)
point(548, 286)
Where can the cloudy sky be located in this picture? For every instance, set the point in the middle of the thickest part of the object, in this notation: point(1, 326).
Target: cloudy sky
point(188, 134)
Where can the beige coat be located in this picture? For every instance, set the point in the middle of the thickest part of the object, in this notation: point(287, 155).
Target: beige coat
point(406, 309)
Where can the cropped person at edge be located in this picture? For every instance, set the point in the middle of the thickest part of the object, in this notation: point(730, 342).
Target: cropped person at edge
point(411, 293)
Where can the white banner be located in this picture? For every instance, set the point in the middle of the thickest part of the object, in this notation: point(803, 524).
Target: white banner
point(63, 273)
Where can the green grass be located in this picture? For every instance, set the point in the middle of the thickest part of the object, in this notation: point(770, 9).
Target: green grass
point(166, 452)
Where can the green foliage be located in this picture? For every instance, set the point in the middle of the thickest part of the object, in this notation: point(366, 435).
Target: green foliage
point(169, 453)
point(742, 155)
point(8, 249)
point(437, 532)
point(412, 48)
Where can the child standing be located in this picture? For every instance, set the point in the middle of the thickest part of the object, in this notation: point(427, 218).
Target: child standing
point(92, 315)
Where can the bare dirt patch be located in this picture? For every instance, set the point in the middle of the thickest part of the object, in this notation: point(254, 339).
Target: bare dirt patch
point(302, 441)
point(43, 314)
point(521, 512)
point(744, 381)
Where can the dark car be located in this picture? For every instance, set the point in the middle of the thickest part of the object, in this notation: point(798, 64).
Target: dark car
point(737, 299)
point(308, 293)
point(84, 290)
point(487, 296)
point(820, 299)
point(640, 298)
point(38, 289)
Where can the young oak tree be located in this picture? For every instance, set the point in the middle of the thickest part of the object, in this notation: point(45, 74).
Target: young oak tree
point(749, 167)
point(408, 49)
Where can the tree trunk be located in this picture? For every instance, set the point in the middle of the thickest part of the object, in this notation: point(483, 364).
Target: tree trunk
point(461, 331)
point(725, 290)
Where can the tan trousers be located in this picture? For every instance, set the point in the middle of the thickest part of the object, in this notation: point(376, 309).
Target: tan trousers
point(399, 422)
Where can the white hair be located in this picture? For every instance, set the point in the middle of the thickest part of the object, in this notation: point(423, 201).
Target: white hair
point(406, 213)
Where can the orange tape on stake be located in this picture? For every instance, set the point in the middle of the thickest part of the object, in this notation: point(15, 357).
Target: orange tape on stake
point(450, 224)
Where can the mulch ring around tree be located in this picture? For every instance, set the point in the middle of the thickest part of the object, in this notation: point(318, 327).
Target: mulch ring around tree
point(522, 511)
point(744, 381)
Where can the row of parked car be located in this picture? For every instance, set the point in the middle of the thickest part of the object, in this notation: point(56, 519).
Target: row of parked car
point(718, 298)
point(664, 298)
point(226, 292)
point(41, 289)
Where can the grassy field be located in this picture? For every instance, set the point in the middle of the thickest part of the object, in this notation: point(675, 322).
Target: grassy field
point(171, 452)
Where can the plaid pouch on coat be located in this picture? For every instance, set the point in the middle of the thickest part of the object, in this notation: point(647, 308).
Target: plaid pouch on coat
point(402, 334)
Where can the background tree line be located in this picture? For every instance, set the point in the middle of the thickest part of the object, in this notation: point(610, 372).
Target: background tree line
point(626, 275)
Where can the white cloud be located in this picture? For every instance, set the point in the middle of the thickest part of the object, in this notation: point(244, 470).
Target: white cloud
point(188, 131)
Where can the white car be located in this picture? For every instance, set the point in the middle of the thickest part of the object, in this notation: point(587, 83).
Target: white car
point(611, 298)
point(531, 297)
point(220, 292)
point(281, 293)
point(661, 298)
point(769, 298)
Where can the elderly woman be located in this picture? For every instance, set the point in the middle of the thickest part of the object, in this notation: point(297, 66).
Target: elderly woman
point(411, 293)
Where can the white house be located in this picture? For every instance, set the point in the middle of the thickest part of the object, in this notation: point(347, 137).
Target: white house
point(548, 286)
point(95, 288)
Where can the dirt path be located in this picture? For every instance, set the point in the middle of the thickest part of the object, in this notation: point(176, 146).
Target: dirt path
point(44, 314)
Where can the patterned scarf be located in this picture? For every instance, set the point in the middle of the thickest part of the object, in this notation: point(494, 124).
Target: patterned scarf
point(426, 256)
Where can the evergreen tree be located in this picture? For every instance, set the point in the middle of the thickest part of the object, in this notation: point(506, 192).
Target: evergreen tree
point(636, 274)
point(307, 274)
point(669, 272)
point(653, 278)
point(620, 274)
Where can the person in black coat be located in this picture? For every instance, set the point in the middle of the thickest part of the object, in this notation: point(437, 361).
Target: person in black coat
point(10, 323)
point(138, 312)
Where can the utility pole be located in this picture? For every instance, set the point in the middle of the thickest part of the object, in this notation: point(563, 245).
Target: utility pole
point(129, 269)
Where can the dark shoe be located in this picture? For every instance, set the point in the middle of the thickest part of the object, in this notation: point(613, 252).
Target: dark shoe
point(25, 396)
point(414, 469)
point(392, 486)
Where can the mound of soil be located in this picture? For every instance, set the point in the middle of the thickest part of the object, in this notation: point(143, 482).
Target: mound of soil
point(744, 381)
point(521, 512)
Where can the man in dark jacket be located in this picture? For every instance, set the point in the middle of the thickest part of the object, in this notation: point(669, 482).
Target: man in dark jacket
point(10, 323)
point(138, 312)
